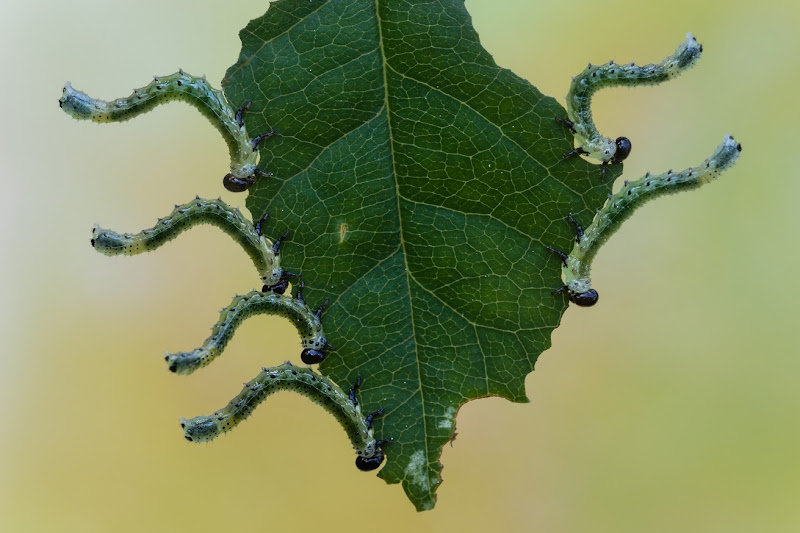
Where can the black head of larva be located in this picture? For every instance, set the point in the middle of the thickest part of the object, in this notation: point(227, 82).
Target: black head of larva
point(278, 288)
point(623, 149)
point(365, 464)
point(234, 184)
point(312, 357)
point(584, 299)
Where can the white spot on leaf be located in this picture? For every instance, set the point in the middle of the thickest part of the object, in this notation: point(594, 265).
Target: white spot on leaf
point(417, 471)
point(447, 420)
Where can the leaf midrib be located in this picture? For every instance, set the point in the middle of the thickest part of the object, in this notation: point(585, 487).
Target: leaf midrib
point(384, 68)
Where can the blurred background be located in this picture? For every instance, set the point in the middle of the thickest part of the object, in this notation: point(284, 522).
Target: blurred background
point(673, 405)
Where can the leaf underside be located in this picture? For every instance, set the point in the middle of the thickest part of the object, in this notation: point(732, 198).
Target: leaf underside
point(421, 183)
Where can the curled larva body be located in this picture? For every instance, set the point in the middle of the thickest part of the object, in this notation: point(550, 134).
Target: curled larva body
point(187, 88)
point(184, 217)
point(596, 77)
point(319, 389)
point(620, 206)
point(308, 324)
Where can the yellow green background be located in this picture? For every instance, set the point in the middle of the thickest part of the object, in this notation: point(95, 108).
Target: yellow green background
point(674, 405)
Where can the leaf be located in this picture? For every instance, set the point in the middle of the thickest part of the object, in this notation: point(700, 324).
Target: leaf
point(421, 183)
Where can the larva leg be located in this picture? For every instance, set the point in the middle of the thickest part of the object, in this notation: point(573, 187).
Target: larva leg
point(240, 309)
point(194, 91)
point(620, 207)
point(372, 415)
point(567, 123)
point(258, 138)
point(259, 224)
point(261, 174)
point(319, 389)
point(321, 308)
point(574, 152)
point(241, 111)
point(560, 254)
point(578, 228)
point(352, 394)
point(559, 290)
point(184, 217)
point(596, 77)
point(276, 248)
point(603, 167)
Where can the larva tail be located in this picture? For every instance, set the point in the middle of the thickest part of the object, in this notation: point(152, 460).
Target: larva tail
point(724, 157)
point(79, 105)
point(183, 218)
point(685, 56)
point(308, 324)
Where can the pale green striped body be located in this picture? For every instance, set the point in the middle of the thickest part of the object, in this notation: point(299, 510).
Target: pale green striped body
point(596, 77)
point(319, 389)
point(179, 86)
point(308, 324)
point(184, 217)
point(621, 206)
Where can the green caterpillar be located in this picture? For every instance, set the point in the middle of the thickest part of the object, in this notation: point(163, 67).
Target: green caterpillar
point(264, 253)
point(596, 77)
point(194, 91)
point(620, 207)
point(242, 307)
point(319, 389)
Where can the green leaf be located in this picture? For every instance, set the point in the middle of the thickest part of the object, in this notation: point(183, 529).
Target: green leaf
point(421, 183)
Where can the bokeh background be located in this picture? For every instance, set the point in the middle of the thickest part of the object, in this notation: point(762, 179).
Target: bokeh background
point(672, 406)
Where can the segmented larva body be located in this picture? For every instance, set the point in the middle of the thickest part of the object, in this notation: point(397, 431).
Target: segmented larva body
point(184, 217)
point(596, 77)
point(319, 389)
point(308, 324)
point(192, 90)
point(620, 207)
